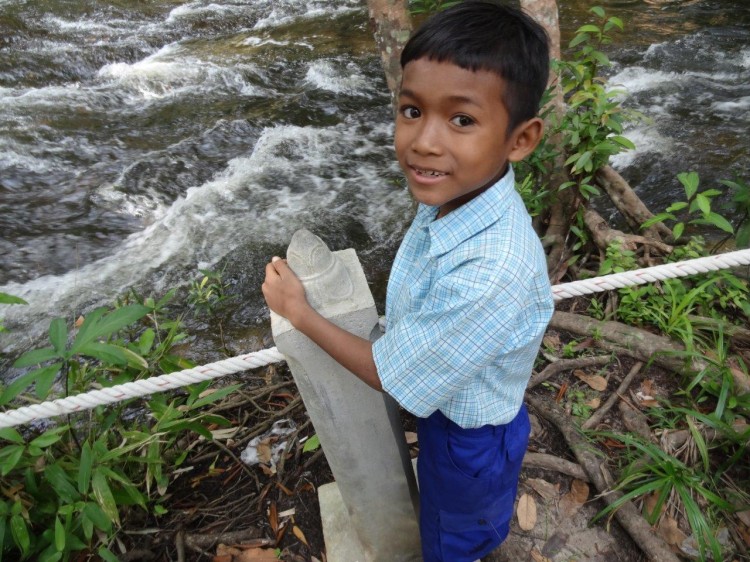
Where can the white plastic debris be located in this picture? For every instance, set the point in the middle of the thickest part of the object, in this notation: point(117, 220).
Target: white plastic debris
point(267, 449)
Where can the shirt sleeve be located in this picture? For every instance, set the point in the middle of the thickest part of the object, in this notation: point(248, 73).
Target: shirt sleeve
point(465, 323)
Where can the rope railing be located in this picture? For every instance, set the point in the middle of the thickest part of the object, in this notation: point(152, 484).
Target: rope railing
point(144, 387)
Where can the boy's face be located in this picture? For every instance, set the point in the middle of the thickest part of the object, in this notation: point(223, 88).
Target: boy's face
point(451, 133)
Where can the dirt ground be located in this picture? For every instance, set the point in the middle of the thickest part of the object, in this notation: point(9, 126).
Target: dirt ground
point(272, 509)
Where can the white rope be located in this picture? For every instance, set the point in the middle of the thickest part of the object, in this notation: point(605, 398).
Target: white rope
point(651, 274)
point(135, 389)
point(143, 387)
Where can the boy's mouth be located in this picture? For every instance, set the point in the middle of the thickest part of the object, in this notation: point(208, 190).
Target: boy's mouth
point(429, 173)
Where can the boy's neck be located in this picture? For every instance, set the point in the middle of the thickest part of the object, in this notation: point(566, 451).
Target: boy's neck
point(460, 201)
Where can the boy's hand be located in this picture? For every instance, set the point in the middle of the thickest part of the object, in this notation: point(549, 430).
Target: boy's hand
point(283, 290)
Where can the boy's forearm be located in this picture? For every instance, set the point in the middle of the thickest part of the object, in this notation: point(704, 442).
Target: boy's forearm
point(351, 351)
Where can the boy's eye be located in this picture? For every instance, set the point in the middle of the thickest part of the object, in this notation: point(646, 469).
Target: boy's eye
point(410, 112)
point(462, 120)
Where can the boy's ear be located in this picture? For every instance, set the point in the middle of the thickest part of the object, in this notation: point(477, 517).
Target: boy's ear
point(525, 138)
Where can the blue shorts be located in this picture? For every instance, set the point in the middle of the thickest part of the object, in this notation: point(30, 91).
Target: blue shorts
point(468, 479)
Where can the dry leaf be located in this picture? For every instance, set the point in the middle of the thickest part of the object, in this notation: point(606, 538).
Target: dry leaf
point(411, 437)
point(222, 558)
point(574, 500)
point(744, 516)
point(257, 555)
point(287, 513)
point(79, 321)
point(538, 556)
point(273, 518)
point(649, 503)
point(526, 512)
point(264, 451)
point(597, 382)
point(669, 531)
point(552, 341)
point(224, 550)
point(300, 535)
point(546, 490)
point(594, 403)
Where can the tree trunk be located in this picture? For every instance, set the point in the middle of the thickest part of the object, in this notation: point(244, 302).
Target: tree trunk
point(392, 24)
point(565, 202)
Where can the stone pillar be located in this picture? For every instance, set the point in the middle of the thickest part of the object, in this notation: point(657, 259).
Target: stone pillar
point(358, 427)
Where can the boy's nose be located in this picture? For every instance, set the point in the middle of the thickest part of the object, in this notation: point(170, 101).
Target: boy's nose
point(427, 139)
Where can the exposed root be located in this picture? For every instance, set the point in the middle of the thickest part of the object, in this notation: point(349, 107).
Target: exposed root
point(551, 462)
point(604, 235)
point(567, 365)
point(597, 416)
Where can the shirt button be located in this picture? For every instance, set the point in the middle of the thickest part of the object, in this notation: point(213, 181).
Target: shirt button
point(482, 521)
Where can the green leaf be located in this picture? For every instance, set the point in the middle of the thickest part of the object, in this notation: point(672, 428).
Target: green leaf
point(311, 444)
point(9, 458)
point(598, 11)
point(146, 341)
point(616, 22)
point(600, 57)
point(58, 335)
point(113, 354)
point(10, 434)
point(589, 28)
point(622, 141)
point(95, 514)
point(678, 229)
point(679, 206)
point(84, 468)
point(743, 235)
point(578, 39)
point(49, 437)
point(5, 298)
point(690, 181)
point(45, 378)
point(704, 203)
point(98, 324)
point(59, 535)
point(106, 554)
point(20, 533)
point(58, 479)
point(25, 381)
point(720, 222)
point(217, 394)
point(3, 527)
point(104, 497)
point(36, 356)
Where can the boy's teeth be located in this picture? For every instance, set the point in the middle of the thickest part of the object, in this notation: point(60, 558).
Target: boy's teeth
point(430, 173)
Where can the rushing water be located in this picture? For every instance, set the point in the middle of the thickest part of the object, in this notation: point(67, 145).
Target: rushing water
point(141, 141)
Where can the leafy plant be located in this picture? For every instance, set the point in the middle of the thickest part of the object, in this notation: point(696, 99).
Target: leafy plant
point(208, 292)
point(697, 205)
point(593, 124)
point(69, 485)
point(651, 470)
point(741, 200)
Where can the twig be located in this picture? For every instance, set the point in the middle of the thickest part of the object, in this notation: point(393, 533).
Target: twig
point(597, 416)
point(567, 365)
point(246, 536)
point(179, 541)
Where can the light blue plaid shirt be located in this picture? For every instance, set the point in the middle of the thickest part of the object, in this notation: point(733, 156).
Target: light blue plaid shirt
point(467, 305)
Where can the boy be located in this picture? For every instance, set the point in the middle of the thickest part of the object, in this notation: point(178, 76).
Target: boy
point(468, 296)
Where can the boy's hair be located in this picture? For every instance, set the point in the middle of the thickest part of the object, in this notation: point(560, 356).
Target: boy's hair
point(476, 35)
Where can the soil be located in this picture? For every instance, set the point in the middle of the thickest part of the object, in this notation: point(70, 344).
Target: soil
point(272, 509)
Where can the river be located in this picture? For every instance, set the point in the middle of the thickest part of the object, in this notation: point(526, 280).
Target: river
point(140, 142)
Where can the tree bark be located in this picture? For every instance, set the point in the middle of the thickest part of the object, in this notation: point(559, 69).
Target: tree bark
point(392, 24)
point(604, 235)
point(629, 204)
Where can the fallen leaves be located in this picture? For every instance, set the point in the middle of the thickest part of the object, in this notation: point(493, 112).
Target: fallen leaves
point(597, 382)
point(526, 512)
point(546, 490)
point(244, 553)
point(571, 502)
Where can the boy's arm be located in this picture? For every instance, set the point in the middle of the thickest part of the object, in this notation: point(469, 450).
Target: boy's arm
point(285, 295)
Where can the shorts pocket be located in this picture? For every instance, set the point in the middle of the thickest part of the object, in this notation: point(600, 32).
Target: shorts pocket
point(473, 457)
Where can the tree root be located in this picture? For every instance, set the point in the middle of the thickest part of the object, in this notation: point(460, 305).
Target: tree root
point(637, 343)
point(627, 515)
point(604, 235)
point(551, 462)
point(629, 204)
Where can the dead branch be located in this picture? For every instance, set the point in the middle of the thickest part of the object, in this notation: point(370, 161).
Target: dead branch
point(597, 416)
point(567, 365)
point(635, 421)
point(629, 204)
point(627, 515)
point(637, 343)
point(201, 542)
point(551, 462)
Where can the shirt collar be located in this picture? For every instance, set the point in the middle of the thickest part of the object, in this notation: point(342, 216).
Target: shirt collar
point(470, 218)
